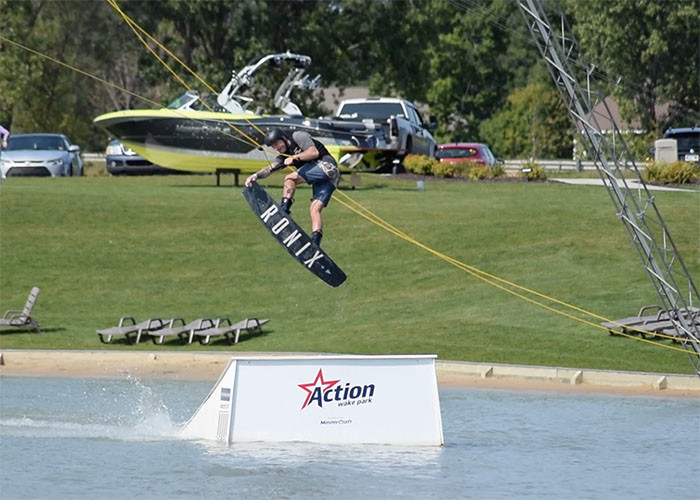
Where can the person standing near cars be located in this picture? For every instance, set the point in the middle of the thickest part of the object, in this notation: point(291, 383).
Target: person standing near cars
point(315, 166)
point(4, 134)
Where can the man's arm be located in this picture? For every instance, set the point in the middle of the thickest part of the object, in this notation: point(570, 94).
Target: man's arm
point(265, 172)
point(305, 156)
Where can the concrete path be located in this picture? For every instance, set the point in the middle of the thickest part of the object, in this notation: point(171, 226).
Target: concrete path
point(208, 365)
point(632, 183)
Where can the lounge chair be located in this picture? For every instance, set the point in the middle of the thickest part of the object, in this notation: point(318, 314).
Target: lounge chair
point(649, 328)
point(650, 324)
point(224, 327)
point(23, 319)
point(128, 329)
point(183, 331)
point(637, 320)
point(674, 331)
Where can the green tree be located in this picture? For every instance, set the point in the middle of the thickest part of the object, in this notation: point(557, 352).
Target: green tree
point(465, 72)
point(533, 123)
point(40, 95)
point(459, 58)
point(18, 68)
point(215, 37)
point(650, 54)
point(463, 59)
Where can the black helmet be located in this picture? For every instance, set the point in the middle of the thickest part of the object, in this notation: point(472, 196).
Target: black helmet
point(273, 135)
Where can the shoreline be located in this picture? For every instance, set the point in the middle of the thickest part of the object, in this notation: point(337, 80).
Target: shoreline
point(202, 366)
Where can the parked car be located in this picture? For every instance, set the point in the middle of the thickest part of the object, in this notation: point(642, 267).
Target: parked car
point(687, 141)
point(40, 155)
point(465, 151)
point(122, 160)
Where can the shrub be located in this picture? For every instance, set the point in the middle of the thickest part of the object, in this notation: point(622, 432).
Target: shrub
point(678, 172)
point(652, 171)
point(536, 173)
point(478, 172)
point(462, 168)
point(424, 165)
point(498, 170)
point(681, 172)
point(419, 164)
point(444, 169)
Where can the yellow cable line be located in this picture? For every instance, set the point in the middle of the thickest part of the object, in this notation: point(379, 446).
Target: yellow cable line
point(369, 215)
point(489, 278)
point(469, 269)
point(77, 70)
point(486, 274)
point(110, 84)
point(133, 25)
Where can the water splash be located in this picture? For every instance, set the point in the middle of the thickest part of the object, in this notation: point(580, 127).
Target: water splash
point(123, 410)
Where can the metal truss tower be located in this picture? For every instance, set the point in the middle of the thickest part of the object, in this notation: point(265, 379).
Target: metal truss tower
point(635, 208)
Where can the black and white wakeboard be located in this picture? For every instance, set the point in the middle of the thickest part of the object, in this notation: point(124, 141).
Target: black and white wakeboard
point(292, 237)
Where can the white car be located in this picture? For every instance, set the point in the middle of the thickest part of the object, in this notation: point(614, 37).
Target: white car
point(41, 155)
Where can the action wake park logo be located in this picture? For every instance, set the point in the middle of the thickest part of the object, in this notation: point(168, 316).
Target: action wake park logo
point(322, 391)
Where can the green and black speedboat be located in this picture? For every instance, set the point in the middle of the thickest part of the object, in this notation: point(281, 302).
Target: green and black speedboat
point(219, 132)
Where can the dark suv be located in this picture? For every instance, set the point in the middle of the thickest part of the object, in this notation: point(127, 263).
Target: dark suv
point(688, 141)
point(121, 160)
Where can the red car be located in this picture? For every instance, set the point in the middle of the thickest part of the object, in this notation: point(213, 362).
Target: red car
point(465, 151)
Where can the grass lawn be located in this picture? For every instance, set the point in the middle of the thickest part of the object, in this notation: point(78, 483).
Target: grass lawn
point(177, 246)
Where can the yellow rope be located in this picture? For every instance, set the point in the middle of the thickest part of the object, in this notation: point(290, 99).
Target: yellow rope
point(134, 26)
point(366, 213)
point(490, 278)
point(77, 70)
point(110, 84)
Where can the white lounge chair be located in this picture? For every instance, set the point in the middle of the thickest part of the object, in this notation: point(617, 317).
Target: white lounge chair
point(183, 331)
point(127, 327)
point(224, 327)
point(14, 318)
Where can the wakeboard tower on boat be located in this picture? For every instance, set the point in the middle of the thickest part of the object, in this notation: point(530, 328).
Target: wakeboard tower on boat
point(199, 134)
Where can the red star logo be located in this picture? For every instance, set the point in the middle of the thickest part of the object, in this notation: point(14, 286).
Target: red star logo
point(309, 388)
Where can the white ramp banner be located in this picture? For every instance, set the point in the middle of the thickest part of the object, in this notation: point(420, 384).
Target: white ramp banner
point(323, 399)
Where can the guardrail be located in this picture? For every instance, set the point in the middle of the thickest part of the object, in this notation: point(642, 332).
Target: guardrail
point(93, 156)
point(548, 165)
point(554, 165)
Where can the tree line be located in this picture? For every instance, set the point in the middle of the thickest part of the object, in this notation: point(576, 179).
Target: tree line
point(472, 62)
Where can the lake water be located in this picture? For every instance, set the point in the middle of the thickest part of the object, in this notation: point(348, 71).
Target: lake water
point(98, 438)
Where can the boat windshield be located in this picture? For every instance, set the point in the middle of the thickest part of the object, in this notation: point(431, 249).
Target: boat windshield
point(191, 100)
point(208, 103)
point(184, 100)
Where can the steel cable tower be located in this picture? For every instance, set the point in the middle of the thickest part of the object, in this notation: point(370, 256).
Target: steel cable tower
point(636, 209)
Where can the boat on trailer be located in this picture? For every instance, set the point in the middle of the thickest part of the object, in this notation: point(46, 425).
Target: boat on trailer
point(220, 132)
